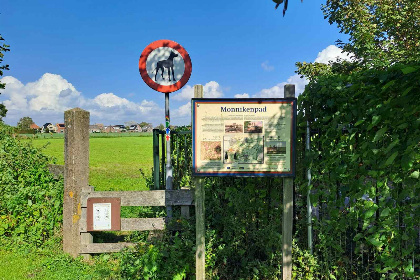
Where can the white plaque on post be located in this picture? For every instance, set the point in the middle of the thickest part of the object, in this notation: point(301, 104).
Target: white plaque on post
point(101, 216)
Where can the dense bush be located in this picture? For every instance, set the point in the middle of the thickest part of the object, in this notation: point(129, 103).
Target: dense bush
point(30, 198)
point(365, 163)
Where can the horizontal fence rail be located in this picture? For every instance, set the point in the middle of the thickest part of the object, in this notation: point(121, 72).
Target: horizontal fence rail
point(145, 198)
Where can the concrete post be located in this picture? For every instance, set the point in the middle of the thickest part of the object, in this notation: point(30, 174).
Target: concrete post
point(76, 175)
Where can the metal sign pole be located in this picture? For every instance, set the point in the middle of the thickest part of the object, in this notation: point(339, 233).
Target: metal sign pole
point(168, 153)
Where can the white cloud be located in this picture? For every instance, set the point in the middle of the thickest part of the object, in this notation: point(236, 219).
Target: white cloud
point(277, 91)
point(266, 66)
point(46, 99)
point(210, 90)
point(329, 53)
point(332, 53)
point(183, 111)
point(110, 100)
point(243, 95)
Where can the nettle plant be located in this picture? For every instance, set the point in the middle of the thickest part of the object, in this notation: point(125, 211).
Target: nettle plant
point(30, 198)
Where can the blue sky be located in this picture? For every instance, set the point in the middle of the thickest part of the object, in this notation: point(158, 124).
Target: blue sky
point(85, 53)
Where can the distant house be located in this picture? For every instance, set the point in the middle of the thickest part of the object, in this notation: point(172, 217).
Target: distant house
point(119, 128)
point(109, 129)
point(48, 127)
point(147, 128)
point(34, 127)
point(60, 127)
point(96, 128)
point(134, 128)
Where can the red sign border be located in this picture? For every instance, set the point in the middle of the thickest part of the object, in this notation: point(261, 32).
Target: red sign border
point(170, 44)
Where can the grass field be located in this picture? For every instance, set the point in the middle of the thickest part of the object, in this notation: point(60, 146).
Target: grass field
point(52, 263)
point(114, 163)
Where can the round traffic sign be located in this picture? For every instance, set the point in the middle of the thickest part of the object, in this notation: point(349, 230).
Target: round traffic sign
point(165, 66)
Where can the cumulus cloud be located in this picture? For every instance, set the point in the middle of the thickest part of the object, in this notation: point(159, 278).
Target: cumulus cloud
point(243, 95)
point(183, 111)
point(210, 90)
point(266, 66)
point(277, 91)
point(332, 53)
point(46, 99)
point(329, 53)
point(110, 100)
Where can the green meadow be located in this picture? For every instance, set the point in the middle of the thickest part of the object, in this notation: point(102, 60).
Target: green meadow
point(115, 163)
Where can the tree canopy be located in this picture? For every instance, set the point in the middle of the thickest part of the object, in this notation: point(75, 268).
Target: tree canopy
point(381, 33)
point(3, 48)
point(25, 123)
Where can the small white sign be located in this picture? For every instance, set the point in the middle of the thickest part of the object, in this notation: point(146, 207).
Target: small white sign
point(101, 216)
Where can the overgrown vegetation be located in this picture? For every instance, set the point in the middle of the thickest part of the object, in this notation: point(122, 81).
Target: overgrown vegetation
point(365, 163)
point(30, 198)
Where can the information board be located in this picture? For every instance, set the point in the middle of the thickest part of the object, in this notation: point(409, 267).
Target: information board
point(244, 137)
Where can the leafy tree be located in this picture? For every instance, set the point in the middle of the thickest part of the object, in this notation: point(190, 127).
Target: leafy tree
point(25, 123)
point(161, 127)
point(3, 48)
point(143, 124)
point(285, 2)
point(381, 32)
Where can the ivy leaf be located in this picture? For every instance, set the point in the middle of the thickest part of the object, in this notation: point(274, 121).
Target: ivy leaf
point(379, 134)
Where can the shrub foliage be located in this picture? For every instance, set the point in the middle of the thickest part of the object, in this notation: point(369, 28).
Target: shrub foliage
point(365, 162)
point(30, 198)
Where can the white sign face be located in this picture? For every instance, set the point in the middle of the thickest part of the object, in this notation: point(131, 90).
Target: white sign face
point(165, 66)
point(101, 216)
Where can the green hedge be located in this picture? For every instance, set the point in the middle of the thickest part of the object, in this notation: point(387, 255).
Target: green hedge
point(365, 163)
point(30, 198)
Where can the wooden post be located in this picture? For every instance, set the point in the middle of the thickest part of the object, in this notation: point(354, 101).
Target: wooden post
point(200, 254)
point(76, 175)
point(156, 168)
point(289, 91)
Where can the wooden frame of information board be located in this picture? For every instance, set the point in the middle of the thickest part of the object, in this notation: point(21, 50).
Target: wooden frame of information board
point(244, 136)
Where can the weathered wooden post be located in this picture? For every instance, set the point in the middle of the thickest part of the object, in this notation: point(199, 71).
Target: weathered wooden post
point(200, 253)
point(76, 176)
point(156, 168)
point(289, 91)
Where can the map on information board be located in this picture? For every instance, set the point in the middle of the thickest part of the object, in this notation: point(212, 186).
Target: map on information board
point(243, 137)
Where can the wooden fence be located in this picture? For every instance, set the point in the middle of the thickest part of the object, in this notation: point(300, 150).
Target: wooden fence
point(130, 198)
point(77, 239)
